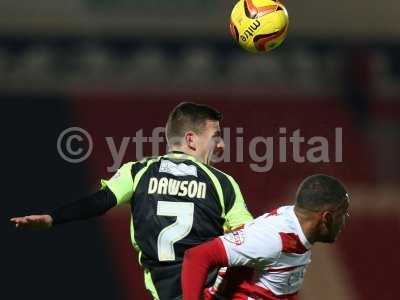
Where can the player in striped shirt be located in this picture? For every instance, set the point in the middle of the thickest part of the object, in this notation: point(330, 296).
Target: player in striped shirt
point(269, 255)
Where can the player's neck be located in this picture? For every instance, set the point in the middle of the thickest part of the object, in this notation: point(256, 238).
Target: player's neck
point(308, 225)
point(186, 150)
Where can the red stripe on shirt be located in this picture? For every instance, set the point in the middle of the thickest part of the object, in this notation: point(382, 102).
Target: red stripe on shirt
point(291, 243)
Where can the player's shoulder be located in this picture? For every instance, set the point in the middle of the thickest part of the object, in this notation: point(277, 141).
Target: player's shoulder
point(282, 214)
point(223, 177)
point(136, 166)
point(259, 235)
point(216, 171)
point(276, 221)
point(284, 223)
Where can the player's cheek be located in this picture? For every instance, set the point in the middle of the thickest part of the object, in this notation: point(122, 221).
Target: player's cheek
point(344, 220)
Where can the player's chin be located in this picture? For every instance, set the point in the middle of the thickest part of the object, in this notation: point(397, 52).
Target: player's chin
point(329, 239)
point(214, 158)
point(217, 155)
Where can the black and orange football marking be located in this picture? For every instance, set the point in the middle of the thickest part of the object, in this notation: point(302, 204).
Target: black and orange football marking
point(234, 32)
point(254, 12)
point(261, 40)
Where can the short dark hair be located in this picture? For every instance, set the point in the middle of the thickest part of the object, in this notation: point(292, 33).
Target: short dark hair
point(319, 192)
point(189, 116)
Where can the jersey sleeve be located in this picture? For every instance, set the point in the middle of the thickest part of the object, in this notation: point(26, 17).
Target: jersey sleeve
point(197, 263)
point(238, 214)
point(255, 245)
point(121, 184)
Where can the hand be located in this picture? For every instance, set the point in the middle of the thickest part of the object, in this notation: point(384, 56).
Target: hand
point(33, 221)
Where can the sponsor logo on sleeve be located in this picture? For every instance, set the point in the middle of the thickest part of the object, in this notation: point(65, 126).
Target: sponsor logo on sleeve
point(236, 237)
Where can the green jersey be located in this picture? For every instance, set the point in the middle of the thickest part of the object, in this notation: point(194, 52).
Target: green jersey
point(176, 203)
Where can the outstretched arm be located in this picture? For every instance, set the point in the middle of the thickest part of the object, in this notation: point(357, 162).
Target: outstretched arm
point(197, 262)
point(85, 208)
point(117, 190)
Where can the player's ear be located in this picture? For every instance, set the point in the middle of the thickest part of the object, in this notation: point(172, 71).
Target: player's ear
point(327, 219)
point(190, 140)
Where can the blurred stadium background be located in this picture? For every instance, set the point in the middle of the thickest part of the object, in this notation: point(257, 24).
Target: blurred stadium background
point(115, 67)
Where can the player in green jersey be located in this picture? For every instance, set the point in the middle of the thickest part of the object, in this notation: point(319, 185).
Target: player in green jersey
point(177, 200)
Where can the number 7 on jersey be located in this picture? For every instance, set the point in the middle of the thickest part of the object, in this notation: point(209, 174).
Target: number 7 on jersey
point(183, 211)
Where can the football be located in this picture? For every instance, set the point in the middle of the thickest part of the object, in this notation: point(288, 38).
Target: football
point(259, 25)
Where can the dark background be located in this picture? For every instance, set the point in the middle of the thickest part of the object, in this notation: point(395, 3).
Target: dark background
point(113, 70)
